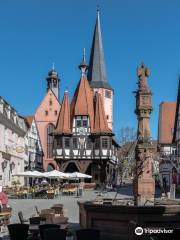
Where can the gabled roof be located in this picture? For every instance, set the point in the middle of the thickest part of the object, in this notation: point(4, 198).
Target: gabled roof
point(166, 122)
point(97, 70)
point(29, 120)
point(63, 123)
point(100, 121)
point(82, 102)
point(177, 116)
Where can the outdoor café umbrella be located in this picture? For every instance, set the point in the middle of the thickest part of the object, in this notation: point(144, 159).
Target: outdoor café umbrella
point(79, 175)
point(55, 174)
point(29, 174)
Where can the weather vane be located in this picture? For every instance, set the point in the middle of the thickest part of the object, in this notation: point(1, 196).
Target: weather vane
point(53, 66)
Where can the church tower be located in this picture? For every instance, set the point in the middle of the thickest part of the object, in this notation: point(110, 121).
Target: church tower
point(53, 82)
point(97, 76)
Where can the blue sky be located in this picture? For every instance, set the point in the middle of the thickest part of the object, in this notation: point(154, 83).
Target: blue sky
point(38, 32)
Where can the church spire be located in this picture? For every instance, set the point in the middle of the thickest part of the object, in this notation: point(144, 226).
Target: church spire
point(97, 70)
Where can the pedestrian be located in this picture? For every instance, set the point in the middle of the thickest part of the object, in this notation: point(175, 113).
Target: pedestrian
point(165, 185)
point(3, 197)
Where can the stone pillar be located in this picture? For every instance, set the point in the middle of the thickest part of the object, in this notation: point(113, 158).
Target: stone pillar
point(144, 184)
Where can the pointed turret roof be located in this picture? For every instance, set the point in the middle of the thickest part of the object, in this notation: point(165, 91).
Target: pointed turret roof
point(82, 102)
point(97, 70)
point(100, 121)
point(63, 123)
point(177, 117)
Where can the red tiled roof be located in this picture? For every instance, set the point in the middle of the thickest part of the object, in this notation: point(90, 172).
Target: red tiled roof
point(29, 120)
point(82, 102)
point(100, 121)
point(167, 112)
point(63, 123)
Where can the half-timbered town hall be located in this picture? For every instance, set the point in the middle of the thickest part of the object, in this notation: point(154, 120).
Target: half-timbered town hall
point(77, 135)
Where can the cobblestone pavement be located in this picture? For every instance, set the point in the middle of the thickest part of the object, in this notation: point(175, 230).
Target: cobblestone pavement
point(71, 209)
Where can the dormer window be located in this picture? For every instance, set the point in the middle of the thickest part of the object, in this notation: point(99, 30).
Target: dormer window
point(78, 123)
point(84, 123)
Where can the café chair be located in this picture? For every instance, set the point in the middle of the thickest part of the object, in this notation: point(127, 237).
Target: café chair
point(46, 226)
point(37, 210)
point(21, 218)
point(88, 234)
point(55, 234)
point(18, 231)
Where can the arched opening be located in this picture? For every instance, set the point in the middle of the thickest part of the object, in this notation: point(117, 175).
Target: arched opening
point(50, 129)
point(71, 167)
point(50, 167)
point(93, 170)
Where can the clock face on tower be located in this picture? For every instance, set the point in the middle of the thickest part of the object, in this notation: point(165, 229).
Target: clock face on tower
point(82, 131)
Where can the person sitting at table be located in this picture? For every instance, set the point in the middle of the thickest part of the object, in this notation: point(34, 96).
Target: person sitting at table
point(3, 198)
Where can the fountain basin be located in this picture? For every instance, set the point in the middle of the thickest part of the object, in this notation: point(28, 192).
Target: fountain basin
point(117, 221)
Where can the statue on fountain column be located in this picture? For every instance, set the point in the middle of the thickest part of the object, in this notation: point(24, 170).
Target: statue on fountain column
point(144, 185)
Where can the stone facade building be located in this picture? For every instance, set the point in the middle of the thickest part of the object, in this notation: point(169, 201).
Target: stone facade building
point(12, 143)
point(46, 117)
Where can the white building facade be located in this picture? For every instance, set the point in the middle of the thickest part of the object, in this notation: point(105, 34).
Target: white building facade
point(12, 144)
point(34, 159)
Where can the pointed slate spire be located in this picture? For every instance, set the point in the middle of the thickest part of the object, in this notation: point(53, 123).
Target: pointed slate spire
point(177, 116)
point(63, 123)
point(100, 121)
point(97, 70)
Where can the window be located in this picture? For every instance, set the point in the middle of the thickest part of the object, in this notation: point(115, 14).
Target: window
point(78, 123)
point(50, 102)
point(34, 129)
point(75, 143)
point(66, 143)
point(107, 117)
point(84, 123)
point(31, 142)
point(108, 94)
point(104, 143)
point(59, 142)
point(46, 113)
point(97, 143)
point(50, 130)
point(55, 112)
point(55, 83)
point(89, 144)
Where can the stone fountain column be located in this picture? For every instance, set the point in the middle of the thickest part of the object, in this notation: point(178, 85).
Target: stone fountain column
point(144, 184)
